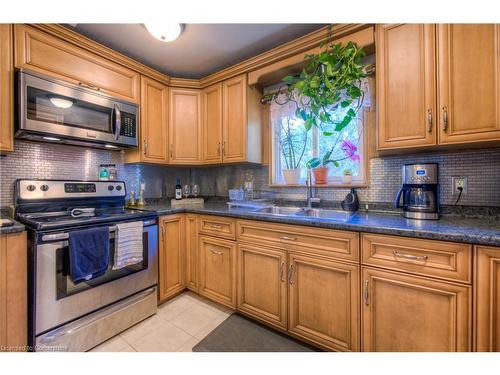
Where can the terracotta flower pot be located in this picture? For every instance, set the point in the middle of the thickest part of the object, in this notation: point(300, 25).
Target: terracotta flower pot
point(320, 175)
point(292, 176)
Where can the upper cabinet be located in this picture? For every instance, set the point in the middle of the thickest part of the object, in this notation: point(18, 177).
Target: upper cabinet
point(405, 85)
point(432, 90)
point(153, 141)
point(469, 82)
point(212, 124)
point(41, 52)
point(185, 126)
point(6, 89)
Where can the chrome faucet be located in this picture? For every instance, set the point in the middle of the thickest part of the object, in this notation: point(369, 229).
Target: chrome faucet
point(309, 190)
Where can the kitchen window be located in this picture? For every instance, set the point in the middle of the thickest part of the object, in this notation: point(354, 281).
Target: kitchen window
point(350, 150)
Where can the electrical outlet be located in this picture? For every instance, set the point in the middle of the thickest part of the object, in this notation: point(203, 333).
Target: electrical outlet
point(457, 182)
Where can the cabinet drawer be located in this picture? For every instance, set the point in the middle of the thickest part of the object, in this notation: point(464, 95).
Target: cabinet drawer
point(217, 226)
point(321, 242)
point(447, 260)
point(46, 54)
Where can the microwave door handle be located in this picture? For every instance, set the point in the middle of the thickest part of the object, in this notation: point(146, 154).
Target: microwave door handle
point(118, 121)
point(398, 198)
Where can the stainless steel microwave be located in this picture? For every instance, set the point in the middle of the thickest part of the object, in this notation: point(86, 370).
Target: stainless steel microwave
point(51, 110)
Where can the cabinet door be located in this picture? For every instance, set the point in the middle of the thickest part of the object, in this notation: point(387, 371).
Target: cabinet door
point(234, 119)
point(13, 292)
point(154, 121)
point(404, 313)
point(487, 299)
point(191, 253)
point(217, 270)
point(262, 287)
point(171, 256)
point(324, 302)
point(185, 126)
point(44, 53)
point(212, 124)
point(6, 89)
point(469, 82)
point(405, 85)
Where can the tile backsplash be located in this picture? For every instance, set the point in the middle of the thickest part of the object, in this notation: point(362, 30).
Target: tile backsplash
point(53, 161)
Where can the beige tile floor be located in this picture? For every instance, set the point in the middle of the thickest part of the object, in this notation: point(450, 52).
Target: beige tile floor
point(177, 327)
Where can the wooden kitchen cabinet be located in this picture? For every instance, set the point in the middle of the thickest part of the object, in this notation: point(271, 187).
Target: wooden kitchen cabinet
point(487, 299)
point(185, 126)
point(6, 89)
point(241, 120)
point(403, 313)
point(191, 230)
point(406, 82)
point(13, 292)
point(153, 139)
point(324, 301)
point(262, 287)
point(469, 82)
point(171, 256)
point(47, 54)
point(217, 269)
point(212, 124)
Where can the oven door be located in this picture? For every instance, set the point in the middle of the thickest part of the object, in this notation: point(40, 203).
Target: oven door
point(59, 300)
point(55, 109)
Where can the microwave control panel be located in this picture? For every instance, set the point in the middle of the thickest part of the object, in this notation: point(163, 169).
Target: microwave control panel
point(129, 128)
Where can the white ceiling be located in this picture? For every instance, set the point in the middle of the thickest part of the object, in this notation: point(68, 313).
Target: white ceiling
point(200, 50)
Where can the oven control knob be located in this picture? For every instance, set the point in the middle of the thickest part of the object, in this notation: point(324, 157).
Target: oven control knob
point(118, 187)
point(31, 187)
point(111, 187)
point(44, 187)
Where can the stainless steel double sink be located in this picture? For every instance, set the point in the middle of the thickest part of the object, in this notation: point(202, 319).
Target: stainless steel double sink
point(306, 212)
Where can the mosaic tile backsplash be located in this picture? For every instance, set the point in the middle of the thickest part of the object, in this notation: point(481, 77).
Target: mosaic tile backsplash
point(52, 161)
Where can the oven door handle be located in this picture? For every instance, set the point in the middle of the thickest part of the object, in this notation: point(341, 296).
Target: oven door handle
point(118, 121)
point(65, 235)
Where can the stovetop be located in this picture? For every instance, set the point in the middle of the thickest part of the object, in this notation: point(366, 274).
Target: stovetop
point(90, 216)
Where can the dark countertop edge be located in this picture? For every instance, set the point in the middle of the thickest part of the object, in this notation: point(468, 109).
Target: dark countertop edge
point(314, 222)
point(16, 228)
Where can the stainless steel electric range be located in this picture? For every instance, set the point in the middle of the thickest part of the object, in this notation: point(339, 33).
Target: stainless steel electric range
point(64, 316)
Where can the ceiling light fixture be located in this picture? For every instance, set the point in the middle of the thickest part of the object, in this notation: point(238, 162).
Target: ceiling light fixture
point(166, 32)
point(60, 102)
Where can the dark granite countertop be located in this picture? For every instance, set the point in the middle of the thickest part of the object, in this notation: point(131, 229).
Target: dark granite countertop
point(480, 231)
point(16, 228)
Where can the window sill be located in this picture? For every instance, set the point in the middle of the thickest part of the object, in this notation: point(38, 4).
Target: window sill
point(329, 185)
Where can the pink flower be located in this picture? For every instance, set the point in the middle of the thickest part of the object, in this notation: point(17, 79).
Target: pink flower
point(350, 149)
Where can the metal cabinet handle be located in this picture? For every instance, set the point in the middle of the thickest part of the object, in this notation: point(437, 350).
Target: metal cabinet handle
point(445, 118)
point(171, 150)
point(145, 147)
point(282, 272)
point(163, 232)
point(290, 274)
point(408, 256)
point(223, 148)
point(88, 85)
point(365, 294)
point(216, 226)
point(286, 238)
point(429, 120)
point(217, 252)
point(218, 149)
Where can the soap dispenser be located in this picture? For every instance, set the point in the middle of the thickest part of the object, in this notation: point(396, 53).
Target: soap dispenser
point(351, 201)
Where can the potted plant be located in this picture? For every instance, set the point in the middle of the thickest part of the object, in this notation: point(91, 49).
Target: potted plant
point(292, 146)
point(347, 177)
point(330, 81)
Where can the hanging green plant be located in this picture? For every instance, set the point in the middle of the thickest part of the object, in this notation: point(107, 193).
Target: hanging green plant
point(332, 78)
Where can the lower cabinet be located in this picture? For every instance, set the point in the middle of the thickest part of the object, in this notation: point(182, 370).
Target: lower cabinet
point(324, 302)
point(171, 256)
point(487, 299)
point(262, 287)
point(404, 313)
point(217, 269)
point(13, 292)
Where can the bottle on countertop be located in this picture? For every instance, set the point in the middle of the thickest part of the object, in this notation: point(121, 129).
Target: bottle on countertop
point(178, 190)
point(103, 172)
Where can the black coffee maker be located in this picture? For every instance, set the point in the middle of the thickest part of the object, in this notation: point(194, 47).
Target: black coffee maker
point(420, 192)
